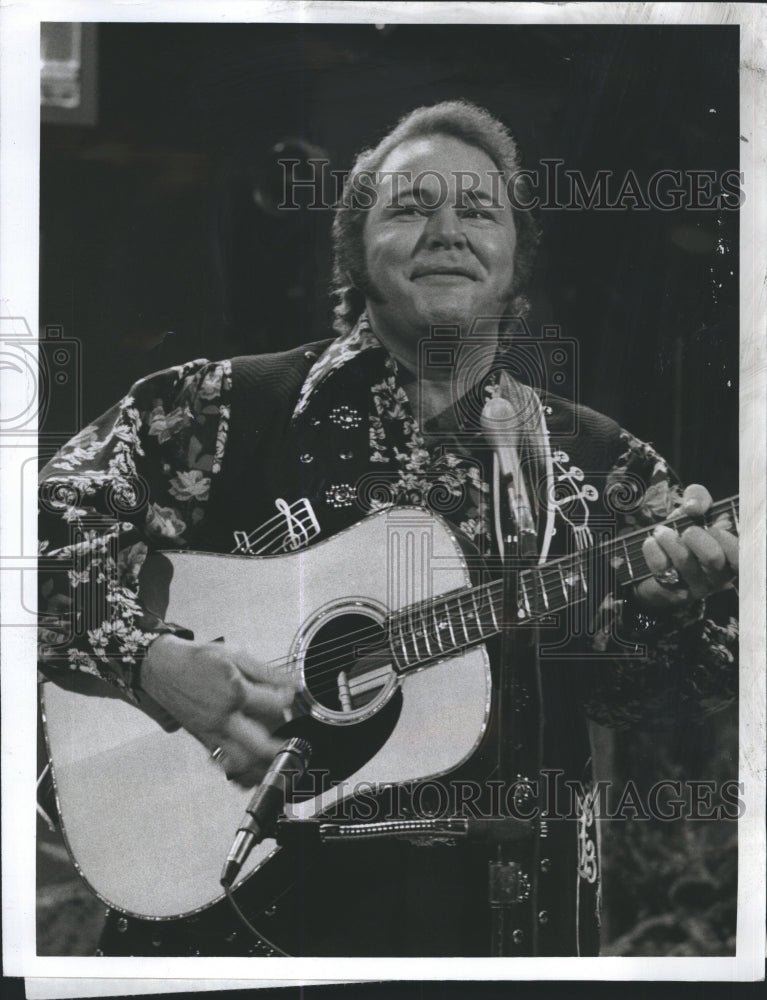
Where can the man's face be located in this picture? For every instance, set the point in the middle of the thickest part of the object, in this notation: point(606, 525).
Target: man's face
point(447, 264)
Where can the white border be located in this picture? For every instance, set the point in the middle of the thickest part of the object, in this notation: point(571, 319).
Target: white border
point(19, 169)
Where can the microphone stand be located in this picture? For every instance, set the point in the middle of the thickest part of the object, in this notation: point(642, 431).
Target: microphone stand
point(513, 875)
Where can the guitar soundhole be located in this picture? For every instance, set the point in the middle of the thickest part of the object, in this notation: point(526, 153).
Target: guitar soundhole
point(347, 663)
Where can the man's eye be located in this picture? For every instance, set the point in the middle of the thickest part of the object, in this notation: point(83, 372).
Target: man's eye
point(405, 210)
point(475, 213)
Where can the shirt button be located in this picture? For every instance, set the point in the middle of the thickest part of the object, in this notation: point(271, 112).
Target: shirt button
point(518, 936)
point(315, 421)
point(545, 865)
point(310, 355)
point(306, 458)
point(122, 925)
point(543, 917)
point(346, 456)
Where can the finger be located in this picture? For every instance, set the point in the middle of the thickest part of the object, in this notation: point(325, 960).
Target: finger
point(256, 670)
point(696, 500)
point(651, 592)
point(654, 595)
point(706, 549)
point(656, 559)
point(683, 560)
point(729, 545)
point(265, 703)
point(249, 749)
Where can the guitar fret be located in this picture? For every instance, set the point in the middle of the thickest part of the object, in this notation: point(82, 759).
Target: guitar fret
point(548, 588)
point(401, 637)
point(525, 598)
point(492, 612)
point(477, 614)
point(413, 634)
point(542, 584)
point(539, 590)
point(463, 620)
point(627, 558)
point(426, 634)
point(735, 519)
point(450, 625)
point(437, 629)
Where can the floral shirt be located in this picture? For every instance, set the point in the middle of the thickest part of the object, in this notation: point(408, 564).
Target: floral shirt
point(142, 476)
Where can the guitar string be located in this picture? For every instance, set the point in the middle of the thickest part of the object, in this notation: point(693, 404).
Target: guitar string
point(483, 631)
point(631, 540)
point(551, 572)
point(465, 598)
point(547, 575)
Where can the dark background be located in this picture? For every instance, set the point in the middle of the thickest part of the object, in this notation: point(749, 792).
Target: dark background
point(153, 251)
point(149, 224)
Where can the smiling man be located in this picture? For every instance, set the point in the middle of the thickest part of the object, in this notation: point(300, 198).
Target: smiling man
point(196, 457)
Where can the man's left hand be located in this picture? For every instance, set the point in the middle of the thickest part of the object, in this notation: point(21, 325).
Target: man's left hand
point(690, 565)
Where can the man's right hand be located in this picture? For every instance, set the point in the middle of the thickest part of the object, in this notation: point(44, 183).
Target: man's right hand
point(223, 696)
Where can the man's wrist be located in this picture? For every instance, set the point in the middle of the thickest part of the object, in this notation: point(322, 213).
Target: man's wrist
point(162, 654)
point(159, 651)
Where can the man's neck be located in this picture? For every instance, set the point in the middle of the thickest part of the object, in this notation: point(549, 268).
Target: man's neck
point(433, 394)
point(434, 384)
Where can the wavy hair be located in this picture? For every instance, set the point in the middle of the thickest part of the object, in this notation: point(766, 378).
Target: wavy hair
point(460, 120)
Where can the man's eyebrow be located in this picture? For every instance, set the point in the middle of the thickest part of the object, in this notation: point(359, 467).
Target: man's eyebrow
point(413, 189)
point(486, 197)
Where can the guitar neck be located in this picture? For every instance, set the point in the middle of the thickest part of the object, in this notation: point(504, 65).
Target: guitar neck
point(430, 629)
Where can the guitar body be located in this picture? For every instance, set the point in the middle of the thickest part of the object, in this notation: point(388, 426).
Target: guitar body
point(148, 818)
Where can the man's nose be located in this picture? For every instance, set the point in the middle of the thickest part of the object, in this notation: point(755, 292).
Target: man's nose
point(444, 228)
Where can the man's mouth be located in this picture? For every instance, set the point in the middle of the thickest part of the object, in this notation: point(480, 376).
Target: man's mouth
point(445, 271)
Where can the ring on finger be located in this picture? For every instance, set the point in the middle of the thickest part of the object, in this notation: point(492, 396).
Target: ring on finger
point(668, 578)
point(217, 754)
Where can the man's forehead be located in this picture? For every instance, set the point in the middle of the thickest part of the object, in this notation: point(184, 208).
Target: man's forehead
point(446, 155)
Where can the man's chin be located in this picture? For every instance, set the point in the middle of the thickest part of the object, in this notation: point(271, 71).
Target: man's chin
point(446, 315)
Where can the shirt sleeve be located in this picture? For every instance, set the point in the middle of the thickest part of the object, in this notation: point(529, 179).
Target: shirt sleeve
point(666, 668)
point(137, 478)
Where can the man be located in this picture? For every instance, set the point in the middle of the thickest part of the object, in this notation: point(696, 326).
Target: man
point(428, 239)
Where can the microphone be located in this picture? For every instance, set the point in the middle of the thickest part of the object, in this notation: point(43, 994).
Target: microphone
point(501, 430)
point(290, 763)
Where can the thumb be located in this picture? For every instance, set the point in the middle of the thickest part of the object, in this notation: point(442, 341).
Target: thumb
point(696, 500)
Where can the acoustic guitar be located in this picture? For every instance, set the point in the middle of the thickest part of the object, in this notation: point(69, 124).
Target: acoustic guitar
point(384, 630)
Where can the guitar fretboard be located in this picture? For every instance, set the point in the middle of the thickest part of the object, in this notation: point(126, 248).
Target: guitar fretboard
point(444, 625)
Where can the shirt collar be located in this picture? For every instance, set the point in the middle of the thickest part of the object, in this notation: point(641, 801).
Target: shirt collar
point(343, 350)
